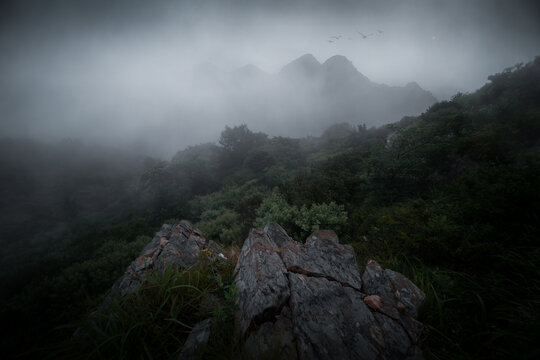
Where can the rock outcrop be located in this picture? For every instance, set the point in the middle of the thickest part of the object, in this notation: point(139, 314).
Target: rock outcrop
point(177, 245)
point(261, 280)
point(297, 300)
point(309, 301)
point(200, 334)
point(174, 245)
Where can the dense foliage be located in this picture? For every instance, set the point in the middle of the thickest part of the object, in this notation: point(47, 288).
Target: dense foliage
point(451, 198)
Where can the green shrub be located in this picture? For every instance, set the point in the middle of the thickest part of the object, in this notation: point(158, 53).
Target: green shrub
point(301, 221)
point(221, 225)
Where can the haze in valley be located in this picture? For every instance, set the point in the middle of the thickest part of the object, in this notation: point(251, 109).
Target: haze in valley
point(159, 76)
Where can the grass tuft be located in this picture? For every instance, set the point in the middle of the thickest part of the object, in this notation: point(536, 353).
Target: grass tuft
point(154, 321)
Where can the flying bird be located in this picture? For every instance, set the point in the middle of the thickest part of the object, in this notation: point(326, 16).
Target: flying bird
point(337, 37)
point(330, 41)
point(365, 36)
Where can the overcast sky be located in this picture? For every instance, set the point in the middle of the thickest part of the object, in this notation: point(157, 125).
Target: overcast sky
point(117, 68)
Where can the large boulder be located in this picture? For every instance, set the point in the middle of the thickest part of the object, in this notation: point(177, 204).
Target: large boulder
point(323, 256)
point(399, 297)
point(173, 245)
point(309, 301)
point(261, 281)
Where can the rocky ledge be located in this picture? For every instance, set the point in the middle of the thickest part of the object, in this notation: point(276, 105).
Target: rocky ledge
point(177, 245)
point(298, 300)
point(309, 301)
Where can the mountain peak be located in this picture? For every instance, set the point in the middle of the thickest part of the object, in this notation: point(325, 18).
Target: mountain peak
point(306, 66)
point(341, 68)
point(307, 59)
point(338, 60)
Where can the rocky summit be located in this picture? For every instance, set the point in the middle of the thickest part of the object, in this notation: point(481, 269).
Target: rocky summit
point(310, 301)
point(298, 300)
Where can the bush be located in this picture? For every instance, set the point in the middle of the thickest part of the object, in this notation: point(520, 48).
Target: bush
point(222, 225)
point(300, 222)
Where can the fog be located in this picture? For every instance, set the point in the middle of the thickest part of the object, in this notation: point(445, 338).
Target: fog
point(163, 75)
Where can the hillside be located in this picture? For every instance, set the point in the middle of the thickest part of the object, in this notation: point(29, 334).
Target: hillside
point(449, 198)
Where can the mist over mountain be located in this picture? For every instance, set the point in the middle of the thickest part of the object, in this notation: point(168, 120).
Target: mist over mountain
point(149, 74)
point(302, 99)
point(346, 95)
point(307, 96)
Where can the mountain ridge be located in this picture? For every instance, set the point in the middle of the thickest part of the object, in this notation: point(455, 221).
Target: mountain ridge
point(306, 96)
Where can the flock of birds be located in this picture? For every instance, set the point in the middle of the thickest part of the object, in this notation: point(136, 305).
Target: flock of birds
point(364, 36)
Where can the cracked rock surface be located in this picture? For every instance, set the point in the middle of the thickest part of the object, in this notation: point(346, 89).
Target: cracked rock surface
point(199, 336)
point(261, 281)
point(323, 256)
point(309, 301)
point(177, 245)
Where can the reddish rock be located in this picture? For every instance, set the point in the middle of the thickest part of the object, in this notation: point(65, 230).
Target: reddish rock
point(373, 301)
point(401, 299)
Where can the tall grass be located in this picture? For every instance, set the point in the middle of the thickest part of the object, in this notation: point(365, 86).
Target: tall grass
point(493, 316)
point(154, 321)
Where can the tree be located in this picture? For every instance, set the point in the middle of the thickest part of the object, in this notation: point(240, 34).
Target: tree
point(241, 139)
point(236, 143)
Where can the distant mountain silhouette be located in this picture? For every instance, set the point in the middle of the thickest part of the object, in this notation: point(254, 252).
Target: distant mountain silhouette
point(305, 97)
point(340, 70)
point(342, 93)
point(305, 67)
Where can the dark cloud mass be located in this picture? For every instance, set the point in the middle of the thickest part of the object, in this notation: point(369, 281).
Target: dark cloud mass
point(158, 73)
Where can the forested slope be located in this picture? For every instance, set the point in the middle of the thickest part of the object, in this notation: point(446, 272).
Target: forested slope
point(450, 198)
